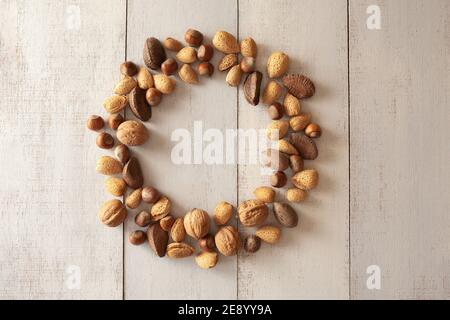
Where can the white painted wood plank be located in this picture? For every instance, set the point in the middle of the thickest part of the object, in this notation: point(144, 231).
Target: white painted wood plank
point(400, 169)
point(56, 68)
point(188, 186)
point(311, 261)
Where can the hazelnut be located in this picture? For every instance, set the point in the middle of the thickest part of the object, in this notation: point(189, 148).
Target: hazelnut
point(193, 37)
point(205, 53)
point(248, 64)
point(122, 153)
point(278, 179)
point(313, 130)
point(296, 163)
point(153, 97)
point(207, 243)
point(166, 223)
point(143, 219)
point(169, 67)
point(128, 68)
point(137, 237)
point(252, 244)
point(105, 141)
point(276, 111)
point(95, 123)
point(150, 195)
point(205, 69)
point(115, 120)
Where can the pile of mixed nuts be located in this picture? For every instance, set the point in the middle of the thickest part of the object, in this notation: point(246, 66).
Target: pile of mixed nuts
point(141, 90)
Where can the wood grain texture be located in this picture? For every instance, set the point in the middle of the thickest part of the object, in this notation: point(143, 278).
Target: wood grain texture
point(400, 173)
point(54, 73)
point(214, 104)
point(311, 261)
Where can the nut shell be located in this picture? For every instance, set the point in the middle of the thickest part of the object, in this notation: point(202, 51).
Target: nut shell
point(252, 244)
point(277, 129)
point(272, 91)
point(179, 250)
point(137, 237)
point(157, 239)
point(234, 76)
point(313, 130)
point(277, 64)
point(134, 199)
point(128, 68)
point(285, 214)
point(143, 219)
point(112, 213)
point(139, 105)
point(193, 37)
point(166, 223)
point(122, 153)
point(252, 212)
point(169, 66)
point(150, 195)
point(296, 163)
point(108, 166)
point(207, 260)
point(223, 213)
point(299, 122)
point(269, 234)
point(153, 97)
point(286, 147)
point(299, 85)
point(187, 74)
point(225, 42)
point(114, 120)
point(296, 195)
point(125, 85)
point(265, 194)
point(196, 223)
point(187, 55)
point(292, 106)
point(276, 160)
point(144, 78)
point(104, 140)
point(132, 133)
point(154, 53)
point(227, 62)
point(115, 186)
point(172, 44)
point(278, 179)
point(115, 104)
point(177, 232)
point(227, 240)
point(164, 84)
point(252, 87)
point(306, 146)
point(95, 123)
point(161, 208)
point(306, 179)
point(205, 53)
point(132, 173)
point(248, 48)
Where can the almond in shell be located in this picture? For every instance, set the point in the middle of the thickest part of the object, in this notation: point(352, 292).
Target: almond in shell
point(296, 195)
point(116, 186)
point(265, 194)
point(125, 85)
point(164, 84)
point(225, 42)
point(306, 179)
point(206, 260)
point(172, 44)
point(227, 62)
point(285, 147)
point(115, 104)
point(249, 48)
point(187, 55)
point(222, 213)
point(134, 199)
point(292, 106)
point(277, 129)
point(108, 166)
point(277, 64)
point(161, 208)
point(234, 76)
point(269, 234)
point(144, 79)
point(272, 91)
point(187, 74)
point(299, 122)
point(177, 232)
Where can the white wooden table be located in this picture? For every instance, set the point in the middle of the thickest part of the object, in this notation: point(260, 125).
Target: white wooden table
point(383, 99)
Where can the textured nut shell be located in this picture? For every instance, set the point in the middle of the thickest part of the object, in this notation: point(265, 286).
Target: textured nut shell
point(166, 223)
point(154, 53)
point(292, 106)
point(134, 199)
point(285, 147)
point(272, 91)
point(269, 234)
point(296, 163)
point(132, 133)
point(252, 212)
point(179, 250)
point(115, 104)
point(196, 223)
point(125, 85)
point(306, 146)
point(276, 160)
point(227, 62)
point(144, 78)
point(177, 232)
point(157, 239)
point(187, 55)
point(207, 260)
point(227, 241)
point(249, 48)
point(306, 179)
point(299, 123)
point(222, 213)
point(161, 208)
point(252, 244)
point(285, 215)
point(172, 44)
point(252, 87)
point(187, 74)
point(234, 76)
point(225, 42)
point(296, 195)
point(265, 194)
point(277, 129)
point(163, 83)
point(108, 165)
point(112, 213)
point(277, 64)
point(299, 85)
point(116, 186)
